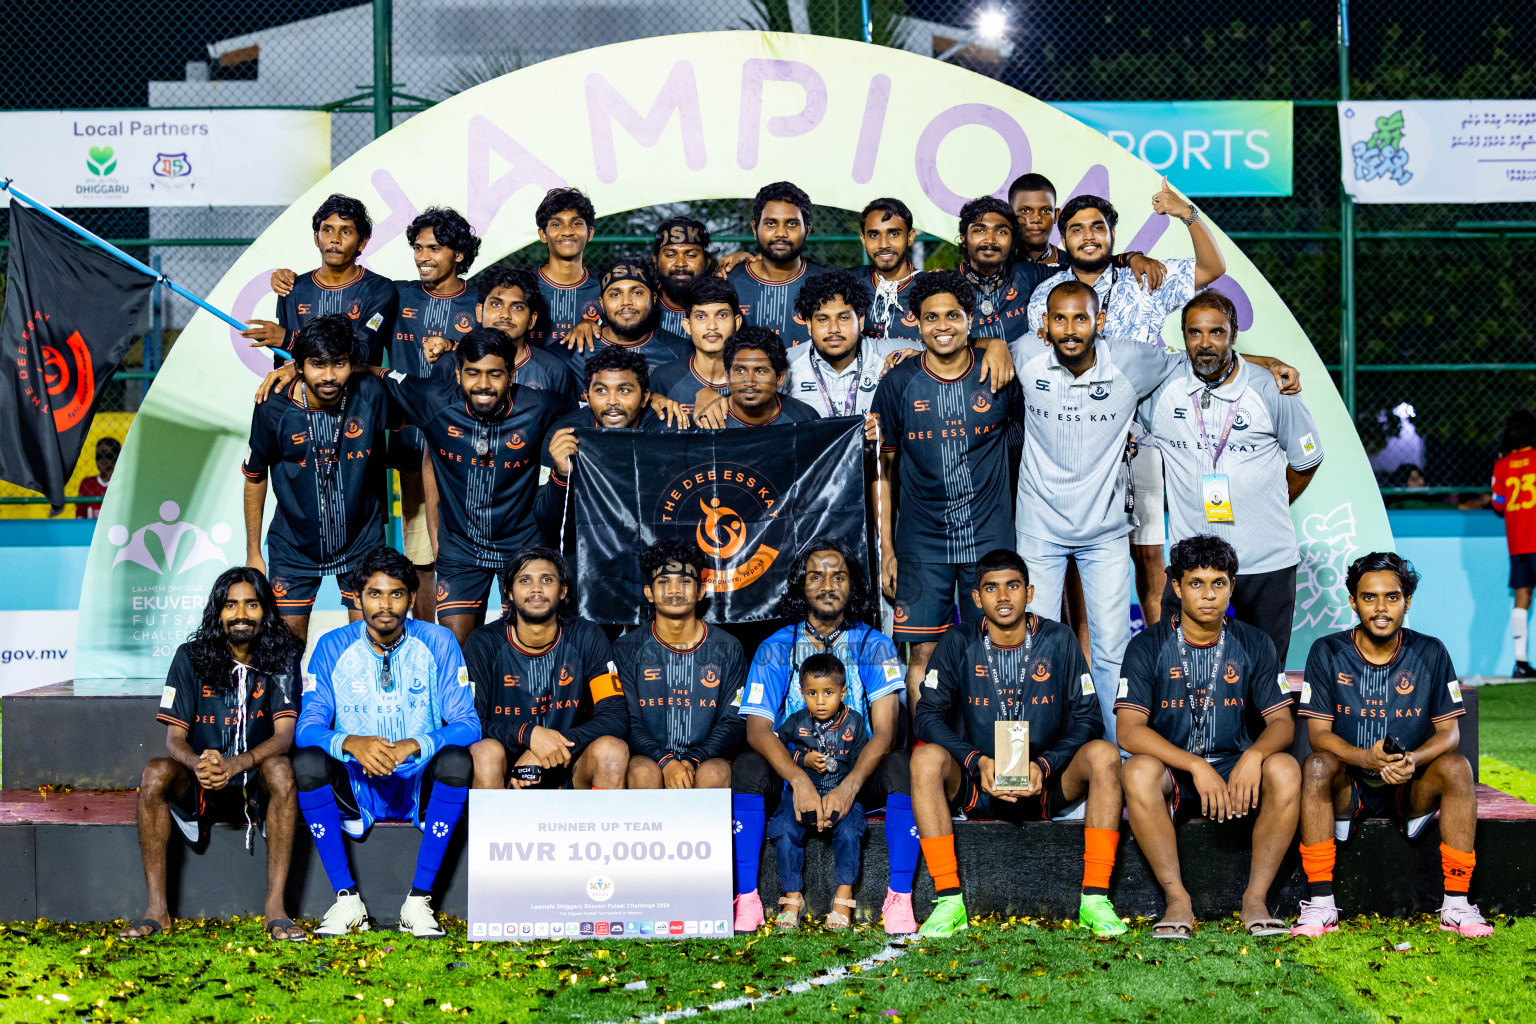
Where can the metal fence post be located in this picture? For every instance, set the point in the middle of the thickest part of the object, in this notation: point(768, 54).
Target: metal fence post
point(1346, 240)
point(383, 65)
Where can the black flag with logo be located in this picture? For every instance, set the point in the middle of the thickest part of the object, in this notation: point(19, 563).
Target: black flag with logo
point(751, 499)
point(71, 311)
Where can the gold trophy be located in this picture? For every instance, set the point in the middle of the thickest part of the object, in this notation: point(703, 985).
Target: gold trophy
point(1010, 756)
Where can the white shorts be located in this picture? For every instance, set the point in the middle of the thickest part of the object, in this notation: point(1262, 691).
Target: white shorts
point(1147, 481)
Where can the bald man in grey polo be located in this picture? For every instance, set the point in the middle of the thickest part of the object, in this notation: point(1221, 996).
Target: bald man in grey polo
point(1074, 481)
point(1246, 477)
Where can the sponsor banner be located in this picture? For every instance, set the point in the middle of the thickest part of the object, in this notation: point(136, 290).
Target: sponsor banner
point(36, 648)
point(1218, 148)
point(599, 865)
point(123, 158)
point(1439, 151)
point(669, 119)
point(750, 498)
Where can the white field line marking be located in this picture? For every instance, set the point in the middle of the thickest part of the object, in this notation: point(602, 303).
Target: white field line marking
point(891, 952)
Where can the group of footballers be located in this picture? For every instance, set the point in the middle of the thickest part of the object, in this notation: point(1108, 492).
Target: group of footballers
point(1029, 424)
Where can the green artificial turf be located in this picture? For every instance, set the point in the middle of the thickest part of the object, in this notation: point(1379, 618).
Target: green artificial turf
point(998, 971)
point(1507, 738)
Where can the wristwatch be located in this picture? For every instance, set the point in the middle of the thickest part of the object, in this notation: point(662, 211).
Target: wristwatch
point(1194, 215)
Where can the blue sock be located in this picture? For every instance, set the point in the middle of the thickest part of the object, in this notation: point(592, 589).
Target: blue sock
point(443, 812)
point(901, 841)
point(747, 843)
point(324, 820)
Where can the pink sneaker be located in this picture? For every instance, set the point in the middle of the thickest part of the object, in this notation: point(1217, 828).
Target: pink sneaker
point(1315, 919)
point(1465, 921)
point(896, 912)
point(749, 911)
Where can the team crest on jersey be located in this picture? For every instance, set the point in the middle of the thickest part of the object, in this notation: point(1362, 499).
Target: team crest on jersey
point(1099, 391)
point(981, 399)
point(591, 314)
point(516, 442)
point(1404, 684)
point(1242, 421)
point(566, 679)
point(442, 592)
point(279, 587)
point(1013, 293)
point(901, 613)
point(355, 312)
point(729, 510)
point(1233, 674)
point(1040, 671)
point(910, 319)
point(711, 676)
point(354, 428)
point(462, 324)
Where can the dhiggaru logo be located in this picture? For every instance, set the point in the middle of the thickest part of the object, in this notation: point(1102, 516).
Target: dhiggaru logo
point(731, 510)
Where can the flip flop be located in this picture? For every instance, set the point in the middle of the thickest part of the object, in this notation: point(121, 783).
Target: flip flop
point(283, 924)
point(1173, 929)
point(155, 928)
point(1264, 927)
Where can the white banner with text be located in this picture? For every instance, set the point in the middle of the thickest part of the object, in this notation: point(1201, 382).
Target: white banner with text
point(1439, 151)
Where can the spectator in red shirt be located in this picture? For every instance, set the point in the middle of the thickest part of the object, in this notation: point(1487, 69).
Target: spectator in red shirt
point(1514, 501)
point(107, 450)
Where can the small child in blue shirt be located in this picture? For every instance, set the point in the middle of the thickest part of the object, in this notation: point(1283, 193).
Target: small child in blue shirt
point(825, 738)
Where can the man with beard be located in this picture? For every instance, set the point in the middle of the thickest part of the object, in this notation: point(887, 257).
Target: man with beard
point(836, 374)
point(389, 715)
point(618, 390)
point(510, 302)
point(1033, 199)
point(828, 601)
point(321, 440)
point(1135, 312)
point(682, 678)
point(682, 257)
point(630, 317)
point(781, 220)
point(1381, 704)
point(1238, 454)
point(755, 365)
point(229, 708)
point(565, 219)
point(713, 317)
point(342, 228)
point(885, 229)
point(483, 439)
point(541, 732)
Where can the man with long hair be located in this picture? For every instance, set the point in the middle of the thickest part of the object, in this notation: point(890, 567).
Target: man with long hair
point(548, 694)
point(229, 707)
point(830, 605)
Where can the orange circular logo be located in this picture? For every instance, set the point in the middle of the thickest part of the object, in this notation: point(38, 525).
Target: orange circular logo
point(61, 370)
point(1404, 684)
point(1041, 671)
point(462, 324)
point(901, 613)
point(517, 441)
point(721, 533)
point(354, 428)
point(566, 679)
point(981, 400)
point(711, 677)
point(733, 509)
point(442, 592)
point(279, 588)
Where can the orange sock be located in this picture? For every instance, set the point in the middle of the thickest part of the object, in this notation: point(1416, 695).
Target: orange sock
point(1099, 845)
point(939, 854)
point(1317, 861)
point(1457, 866)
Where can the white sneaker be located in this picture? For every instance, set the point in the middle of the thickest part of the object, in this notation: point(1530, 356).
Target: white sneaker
point(418, 918)
point(345, 914)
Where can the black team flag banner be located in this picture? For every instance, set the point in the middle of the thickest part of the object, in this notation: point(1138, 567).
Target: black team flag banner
point(751, 499)
point(71, 312)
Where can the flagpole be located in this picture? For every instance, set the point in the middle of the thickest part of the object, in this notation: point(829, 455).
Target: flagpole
point(65, 222)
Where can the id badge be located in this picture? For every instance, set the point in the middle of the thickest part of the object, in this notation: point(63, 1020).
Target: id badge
point(1010, 755)
point(1218, 498)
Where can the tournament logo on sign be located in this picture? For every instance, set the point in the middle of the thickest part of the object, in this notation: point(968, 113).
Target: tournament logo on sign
point(205, 545)
point(600, 888)
point(731, 509)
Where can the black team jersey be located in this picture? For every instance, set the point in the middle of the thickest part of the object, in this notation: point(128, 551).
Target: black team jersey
point(212, 714)
point(369, 302)
point(889, 317)
point(1403, 698)
point(327, 471)
point(487, 469)
point(535, 368)
point(420, 315)
point(671, 316)
point(1230, 680)
point(682, 703)
point(1046, 684)
point(772, 304)
point(679, 381)
point(841, 740)
point(568, 306)
point(791, 410)
point(571, 687)
point(1009, 315)
point(956, 502)
point(549, 505)
point(659, 348)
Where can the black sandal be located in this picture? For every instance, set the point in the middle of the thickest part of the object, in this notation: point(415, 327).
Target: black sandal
point(155, 928)
point(283, 924)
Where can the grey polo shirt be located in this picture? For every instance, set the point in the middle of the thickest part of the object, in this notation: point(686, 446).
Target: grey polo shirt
point(1270, 431)
point(1072, 479)
point(801, 382)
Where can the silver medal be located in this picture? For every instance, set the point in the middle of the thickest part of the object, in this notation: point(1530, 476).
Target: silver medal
point(831, 764)
point(986, 307)
point(482, 446)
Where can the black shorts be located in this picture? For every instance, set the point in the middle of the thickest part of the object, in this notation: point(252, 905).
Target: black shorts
point(1185, 802)
point(1378, 801)
point(1043, 806)
point(926, 599)
point(197, 808)
point(1522, 571)
point(462, 586)
point(294, 587)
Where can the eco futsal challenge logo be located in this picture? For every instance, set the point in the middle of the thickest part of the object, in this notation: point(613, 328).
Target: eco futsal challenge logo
point(731, 511)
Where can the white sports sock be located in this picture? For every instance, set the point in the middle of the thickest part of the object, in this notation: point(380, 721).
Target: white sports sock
point(1517, 618)
point(1454, 902)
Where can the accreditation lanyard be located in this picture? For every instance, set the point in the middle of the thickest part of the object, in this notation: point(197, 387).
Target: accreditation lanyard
point(825, 735)
point(321, 466)
point(853, 386)
point(1199, 708)
point(386, 683)
point(1009, 708)
point(1226, 430)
